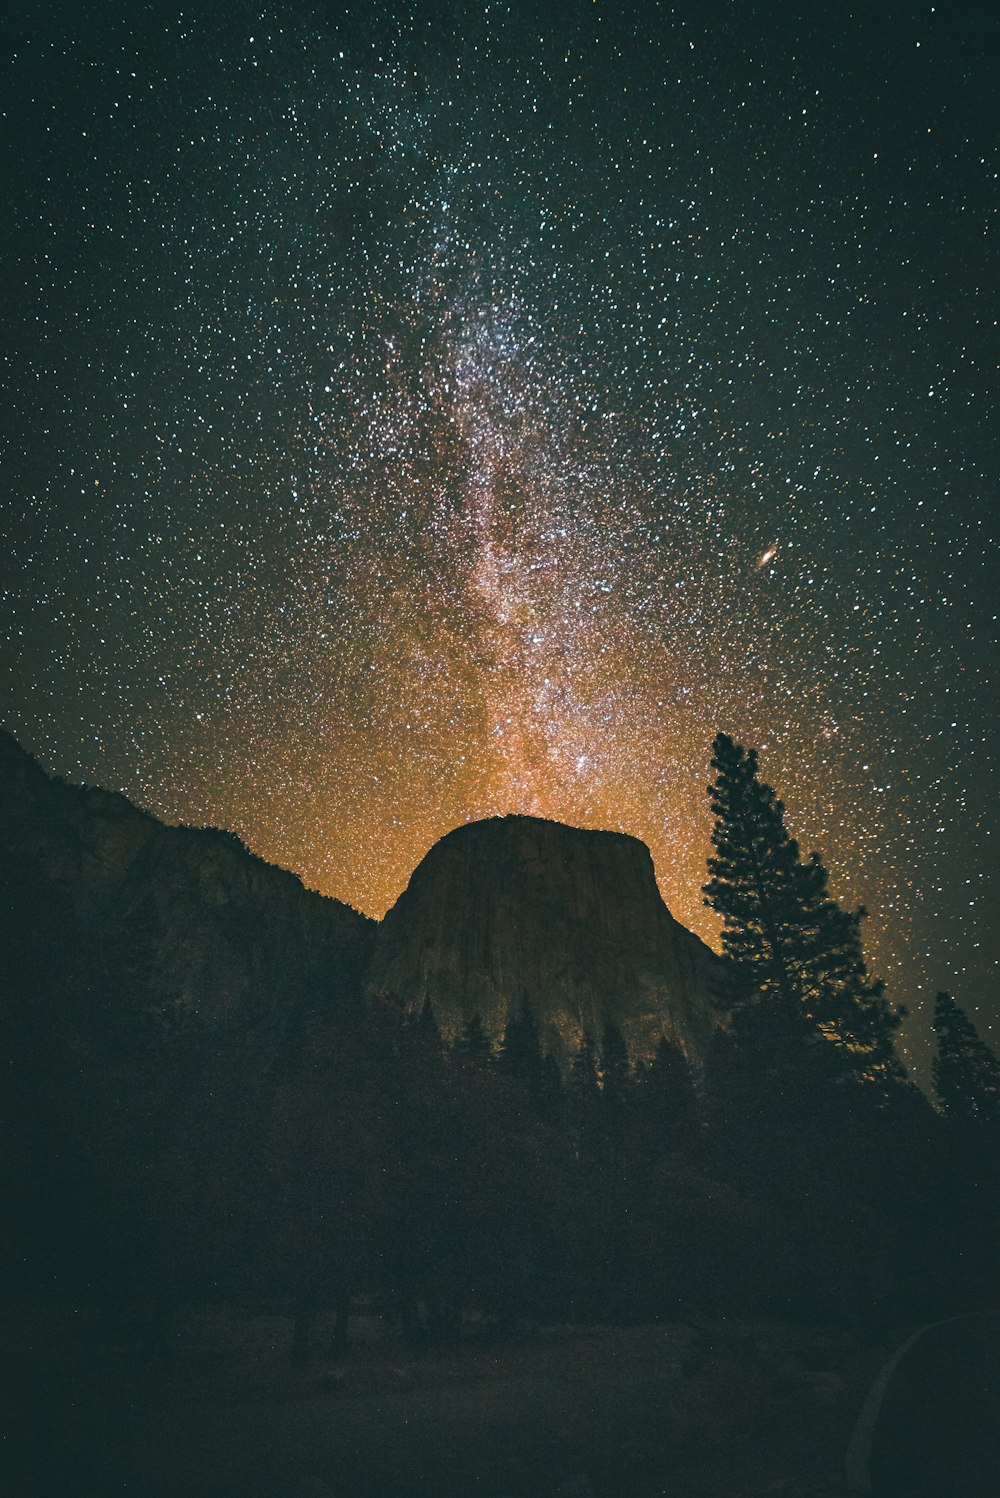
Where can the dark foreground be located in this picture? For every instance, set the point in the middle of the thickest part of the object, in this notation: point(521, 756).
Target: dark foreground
point(686, 1410)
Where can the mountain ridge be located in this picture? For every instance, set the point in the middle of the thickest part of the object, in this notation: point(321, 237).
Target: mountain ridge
point(191, 916)
point(500, 910)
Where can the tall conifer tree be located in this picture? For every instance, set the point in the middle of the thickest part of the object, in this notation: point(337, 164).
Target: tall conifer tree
point(752, 873)
point(966, 1073)
point(784, 935)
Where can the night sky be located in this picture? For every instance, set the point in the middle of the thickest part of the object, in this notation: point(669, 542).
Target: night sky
point(417, 413)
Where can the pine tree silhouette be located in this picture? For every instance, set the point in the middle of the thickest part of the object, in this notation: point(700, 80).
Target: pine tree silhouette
point(552, 1093)
point(615, 1069)
point(583, 1070)
point(426, 1026)
point(966, 1073)
point(669, 1097)
point(786, 938)
point(521, 1050)
point(472, 1042)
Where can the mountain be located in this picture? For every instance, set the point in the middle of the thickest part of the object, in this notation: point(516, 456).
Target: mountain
point(130, 916)
point(179, 921)
point(516, 907)
point(195, 1101)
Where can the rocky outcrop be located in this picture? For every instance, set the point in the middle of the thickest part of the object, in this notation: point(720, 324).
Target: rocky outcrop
point(516, 908)
point(184, 922)
point(180, 920)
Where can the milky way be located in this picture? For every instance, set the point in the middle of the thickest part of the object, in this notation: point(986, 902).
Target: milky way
point(433, 412)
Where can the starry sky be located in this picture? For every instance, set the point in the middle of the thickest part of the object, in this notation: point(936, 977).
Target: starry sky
point(418, 412)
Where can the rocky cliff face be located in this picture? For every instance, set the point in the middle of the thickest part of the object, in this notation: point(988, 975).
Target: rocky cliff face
point(117, 907)
point(175, 919)
point(516, 907)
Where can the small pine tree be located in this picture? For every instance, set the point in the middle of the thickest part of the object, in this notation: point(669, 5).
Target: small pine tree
point(426, 1026)
point(521, 1049)
point(583, 1070)
point(966, 1073)
point(615, 1069)
point(668, 1096)
point(585, 1114)
point(472, 1042)
point(551, 1091)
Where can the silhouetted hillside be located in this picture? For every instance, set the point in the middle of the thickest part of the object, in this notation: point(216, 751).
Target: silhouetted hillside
point(183, 922)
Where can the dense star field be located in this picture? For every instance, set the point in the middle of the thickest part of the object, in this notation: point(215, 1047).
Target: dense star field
point(434, 411)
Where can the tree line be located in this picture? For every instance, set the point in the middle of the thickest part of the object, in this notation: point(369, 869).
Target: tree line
point(353, 1155)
